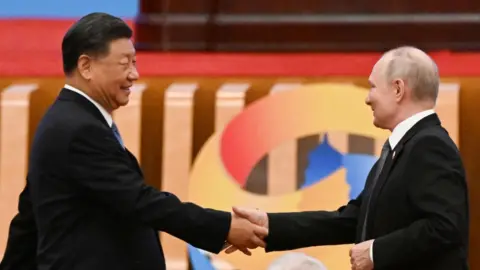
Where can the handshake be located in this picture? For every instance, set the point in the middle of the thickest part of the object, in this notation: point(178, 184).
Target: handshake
point(248, 229)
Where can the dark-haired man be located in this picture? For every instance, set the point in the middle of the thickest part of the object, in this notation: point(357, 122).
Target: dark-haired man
point(85, 205)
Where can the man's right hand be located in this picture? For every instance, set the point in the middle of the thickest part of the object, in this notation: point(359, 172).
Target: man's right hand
point(245, 235)
point(255, 216)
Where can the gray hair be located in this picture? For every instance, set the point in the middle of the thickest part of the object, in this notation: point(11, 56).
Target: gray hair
point(296, 261)
point(416, 68)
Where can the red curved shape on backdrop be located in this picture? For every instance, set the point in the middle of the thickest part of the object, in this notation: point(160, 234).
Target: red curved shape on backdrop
point(243, 143)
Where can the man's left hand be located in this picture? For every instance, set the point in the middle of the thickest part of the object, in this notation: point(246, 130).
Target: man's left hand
point(360, 256)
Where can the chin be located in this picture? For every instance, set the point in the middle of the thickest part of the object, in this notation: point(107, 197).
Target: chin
point(377, 123)
point(123, 102)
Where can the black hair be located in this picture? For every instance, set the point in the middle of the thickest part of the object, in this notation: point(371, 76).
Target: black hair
point(91, 35)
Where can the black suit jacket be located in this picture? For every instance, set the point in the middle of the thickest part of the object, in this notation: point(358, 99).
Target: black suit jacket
point(86, 206)
point(418, 212)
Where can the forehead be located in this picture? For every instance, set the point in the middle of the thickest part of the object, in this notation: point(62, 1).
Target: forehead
point(374, 73)
point(122, 47)
point(378, 69)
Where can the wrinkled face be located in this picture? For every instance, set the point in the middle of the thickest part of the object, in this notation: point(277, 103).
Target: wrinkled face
point(110, 77)
point(382, 97)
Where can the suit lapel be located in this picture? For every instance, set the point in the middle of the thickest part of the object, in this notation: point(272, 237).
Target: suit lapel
point(396, 154)
point(68, 95)
point(134, 160)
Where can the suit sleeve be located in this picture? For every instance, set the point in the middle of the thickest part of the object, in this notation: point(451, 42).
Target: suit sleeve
point(21, 250)
point(289, 231)
point(101, 169)
point(438, 196)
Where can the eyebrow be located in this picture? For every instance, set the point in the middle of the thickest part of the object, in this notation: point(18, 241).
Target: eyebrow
point(129, 54)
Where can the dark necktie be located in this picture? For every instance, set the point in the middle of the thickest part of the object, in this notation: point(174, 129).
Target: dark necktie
point(381, 162)
point(117, 134)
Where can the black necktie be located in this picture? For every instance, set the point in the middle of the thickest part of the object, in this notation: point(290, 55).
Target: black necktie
point(117, 134)
point(381, 162)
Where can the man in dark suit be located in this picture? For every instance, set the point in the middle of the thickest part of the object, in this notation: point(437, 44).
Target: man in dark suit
point(85, 205)
point(413, 212)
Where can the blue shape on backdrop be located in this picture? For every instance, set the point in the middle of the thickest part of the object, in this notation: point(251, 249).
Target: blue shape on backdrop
point(357, 166)
point(67, 9)
point(199, 260)
point(325, 160)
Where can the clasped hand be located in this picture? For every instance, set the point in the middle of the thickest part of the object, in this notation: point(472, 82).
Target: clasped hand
point(248, 229)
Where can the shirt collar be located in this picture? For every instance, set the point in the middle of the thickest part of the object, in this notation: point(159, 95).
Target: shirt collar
point(401, 129)
point(104, 112)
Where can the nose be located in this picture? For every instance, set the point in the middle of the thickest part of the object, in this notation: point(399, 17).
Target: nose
point(367, 100)
point(133, 75)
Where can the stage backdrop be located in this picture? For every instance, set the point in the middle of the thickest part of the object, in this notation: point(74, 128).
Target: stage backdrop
point(280, 144)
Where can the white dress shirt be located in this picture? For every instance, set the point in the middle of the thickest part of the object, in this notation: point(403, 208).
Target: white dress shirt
point(397, 134)
point(102, 110)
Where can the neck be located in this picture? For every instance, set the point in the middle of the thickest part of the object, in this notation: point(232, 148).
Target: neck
point(84, 87)
point(409, 111)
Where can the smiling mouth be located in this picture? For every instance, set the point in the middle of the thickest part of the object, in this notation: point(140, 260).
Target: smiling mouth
point(126, 88)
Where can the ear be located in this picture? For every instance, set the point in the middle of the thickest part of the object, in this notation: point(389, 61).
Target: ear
point(84, 66)
point(399, 89)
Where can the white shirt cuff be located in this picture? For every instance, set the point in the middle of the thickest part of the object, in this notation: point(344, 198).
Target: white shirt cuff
point(371, 252)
